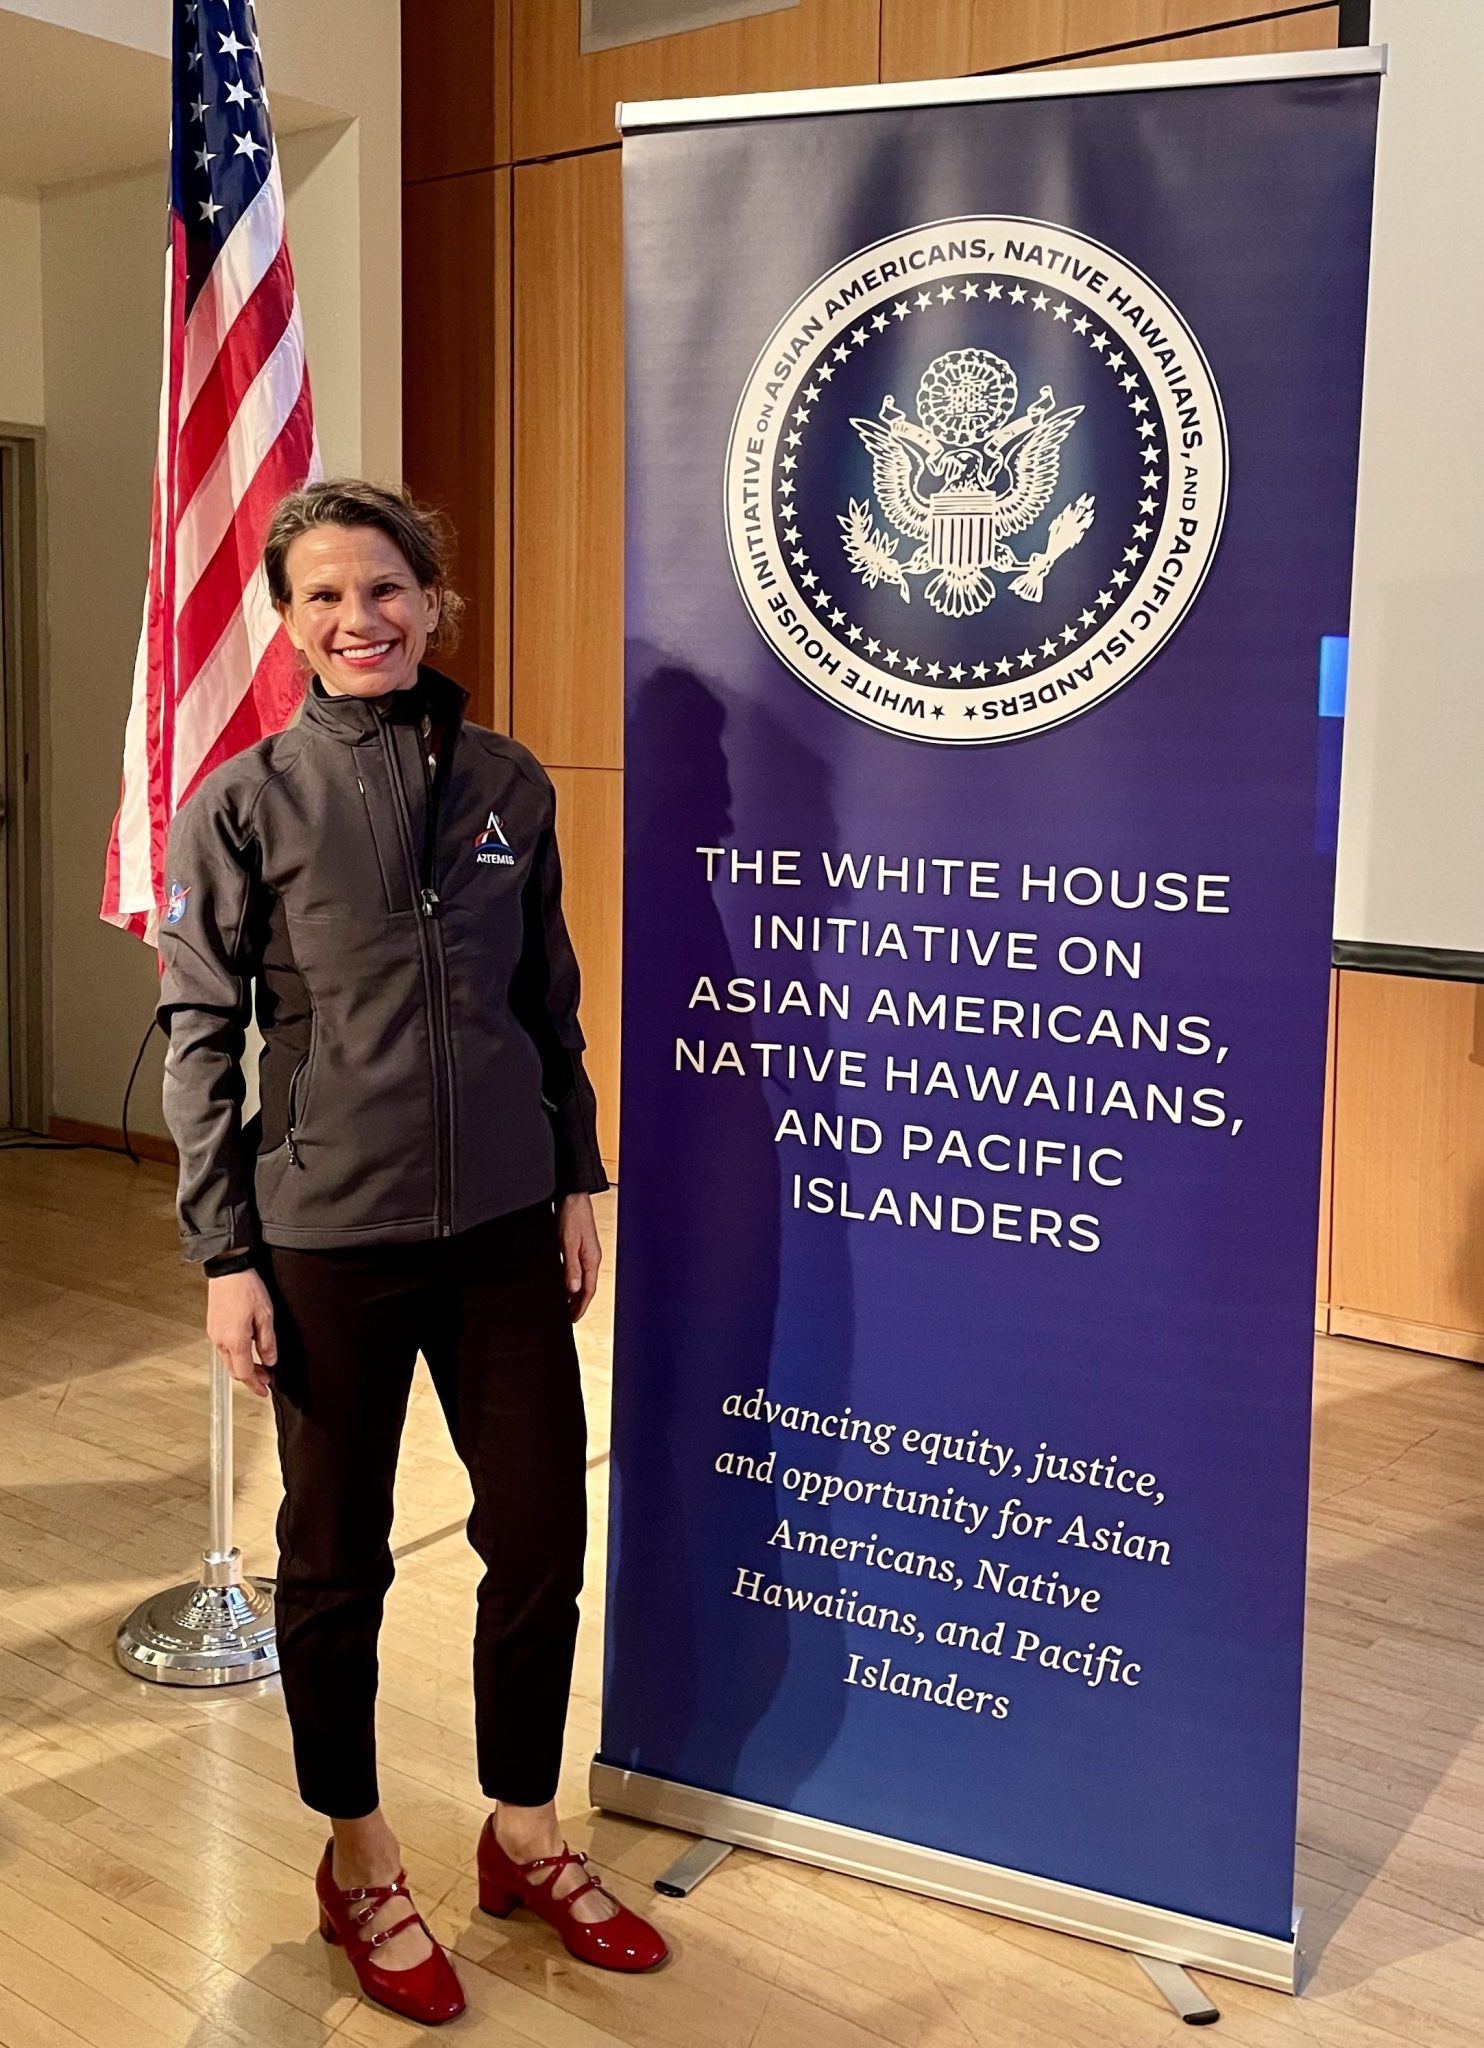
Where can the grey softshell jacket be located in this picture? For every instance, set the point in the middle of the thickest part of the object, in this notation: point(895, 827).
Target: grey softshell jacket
point(415, 987)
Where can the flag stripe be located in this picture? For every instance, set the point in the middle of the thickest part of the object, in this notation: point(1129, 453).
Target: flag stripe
point(207, 516)
point(161, 668)
point(249, 254)
point(218, 589)
point(255, 334)
point(222, 680)
point(266, 706)
point(242, 730)
point(224, 675)
point(126, 871)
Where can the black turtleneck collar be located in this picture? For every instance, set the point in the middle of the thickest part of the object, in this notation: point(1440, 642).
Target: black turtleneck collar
point(355, 719)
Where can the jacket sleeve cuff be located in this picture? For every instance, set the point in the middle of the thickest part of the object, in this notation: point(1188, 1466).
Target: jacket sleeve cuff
point(225, 1263)
point(236, 1235)
point(579, 1164)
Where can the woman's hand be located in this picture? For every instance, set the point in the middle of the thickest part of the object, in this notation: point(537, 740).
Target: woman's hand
point(581, 1253)
point(239, 1315)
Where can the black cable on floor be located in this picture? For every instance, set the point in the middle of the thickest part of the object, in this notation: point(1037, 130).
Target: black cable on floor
point(149, 1031)
point(126, 1149)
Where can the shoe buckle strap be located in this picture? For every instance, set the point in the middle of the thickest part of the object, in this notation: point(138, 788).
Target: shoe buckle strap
point(555, 1863)
point(375, 1897)
point(378, 1894)
point(379, 1940)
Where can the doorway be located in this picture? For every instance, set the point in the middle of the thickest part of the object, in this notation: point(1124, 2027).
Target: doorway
point(21, 988)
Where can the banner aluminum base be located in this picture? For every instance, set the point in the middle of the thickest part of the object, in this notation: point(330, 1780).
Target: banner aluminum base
point(1095, 1916)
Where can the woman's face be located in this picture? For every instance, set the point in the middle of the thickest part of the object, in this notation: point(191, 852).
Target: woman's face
point(356, 611)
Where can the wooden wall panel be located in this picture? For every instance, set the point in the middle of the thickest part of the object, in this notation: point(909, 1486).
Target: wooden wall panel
point(568, 531)
point(949, 38)
point(590, 833)
point(565, 101)
point(456, 404)
point(455, 86)
point(1318, 28)
point(1408, 1258)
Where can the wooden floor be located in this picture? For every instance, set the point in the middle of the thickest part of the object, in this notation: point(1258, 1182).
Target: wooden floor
point(155, 1861)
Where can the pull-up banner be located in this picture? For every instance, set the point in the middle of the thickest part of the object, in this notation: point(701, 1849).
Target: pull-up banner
point(991, 482)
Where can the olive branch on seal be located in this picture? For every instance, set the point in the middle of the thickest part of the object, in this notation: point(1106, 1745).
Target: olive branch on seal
point(872, 556)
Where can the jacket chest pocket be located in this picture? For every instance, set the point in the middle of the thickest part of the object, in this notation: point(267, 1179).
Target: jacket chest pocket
point(385, 839)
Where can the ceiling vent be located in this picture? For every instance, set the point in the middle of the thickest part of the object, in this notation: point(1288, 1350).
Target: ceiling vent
point(609, 24)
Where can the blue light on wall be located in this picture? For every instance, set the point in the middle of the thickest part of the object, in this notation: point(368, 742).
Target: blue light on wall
point(1334, 671)
point(1334, 674)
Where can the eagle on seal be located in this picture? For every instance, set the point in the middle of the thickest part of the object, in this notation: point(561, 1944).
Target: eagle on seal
point(960, 480)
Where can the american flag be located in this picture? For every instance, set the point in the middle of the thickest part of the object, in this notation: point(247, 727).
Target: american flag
point(214, 671)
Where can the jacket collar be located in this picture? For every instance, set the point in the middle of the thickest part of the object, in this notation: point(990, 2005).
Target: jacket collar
point(357, 720)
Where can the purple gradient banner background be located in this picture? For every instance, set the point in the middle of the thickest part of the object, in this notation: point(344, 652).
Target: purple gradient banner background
point(1180, 1347)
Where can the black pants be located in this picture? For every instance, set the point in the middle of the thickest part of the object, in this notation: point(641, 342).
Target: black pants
point(488, 1311)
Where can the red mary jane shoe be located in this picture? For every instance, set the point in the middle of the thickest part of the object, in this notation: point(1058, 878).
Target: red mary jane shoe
point(429, 1991)
point(621, 1942)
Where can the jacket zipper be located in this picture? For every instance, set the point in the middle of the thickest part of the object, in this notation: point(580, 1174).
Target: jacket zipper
point(386, 885)
point(298, 1075)
point(435, 965)
point(428, 896)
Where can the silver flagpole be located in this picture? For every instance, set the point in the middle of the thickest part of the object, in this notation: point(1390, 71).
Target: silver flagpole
point(219, 1629)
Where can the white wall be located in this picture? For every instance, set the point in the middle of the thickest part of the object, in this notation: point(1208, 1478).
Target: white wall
point(102, 251)
point(96, 296)
point(321, 184)
point(1412, 804)
point(346, 54)
point(21, 389)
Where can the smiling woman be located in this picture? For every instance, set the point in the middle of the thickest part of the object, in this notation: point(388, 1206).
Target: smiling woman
point(382, 881)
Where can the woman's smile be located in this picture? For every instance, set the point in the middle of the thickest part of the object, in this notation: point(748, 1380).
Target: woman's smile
point(365, 656)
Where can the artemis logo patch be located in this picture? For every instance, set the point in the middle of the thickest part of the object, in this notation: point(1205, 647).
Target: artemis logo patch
point(491, 847)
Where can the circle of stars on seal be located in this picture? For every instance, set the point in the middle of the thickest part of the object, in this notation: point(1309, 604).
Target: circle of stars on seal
point(1032, 660)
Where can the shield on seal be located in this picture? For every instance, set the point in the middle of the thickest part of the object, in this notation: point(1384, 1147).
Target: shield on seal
point(961, 543)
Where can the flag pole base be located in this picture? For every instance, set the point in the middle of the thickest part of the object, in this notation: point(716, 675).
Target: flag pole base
point(219, 1630)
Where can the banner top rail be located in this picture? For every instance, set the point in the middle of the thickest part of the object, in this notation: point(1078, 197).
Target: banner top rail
point(1007, 85)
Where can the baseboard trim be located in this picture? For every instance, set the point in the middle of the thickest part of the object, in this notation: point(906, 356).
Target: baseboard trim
point(1405, 1336)
point(69, 1130)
